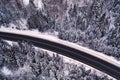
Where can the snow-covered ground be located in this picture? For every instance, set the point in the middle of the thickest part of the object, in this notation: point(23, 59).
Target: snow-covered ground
point(27, 69)
point(90, 23)
point(66, 59)
point(55, 39)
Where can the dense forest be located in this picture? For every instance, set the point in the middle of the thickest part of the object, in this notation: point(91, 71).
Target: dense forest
point(91, 23)
point(22, 61)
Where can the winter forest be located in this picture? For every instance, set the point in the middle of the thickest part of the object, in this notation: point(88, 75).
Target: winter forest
point(90, 23)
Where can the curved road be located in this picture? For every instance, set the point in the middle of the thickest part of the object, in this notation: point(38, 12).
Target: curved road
point(79, 53)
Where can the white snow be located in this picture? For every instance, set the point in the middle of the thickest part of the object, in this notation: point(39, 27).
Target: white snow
point(66, 43)
point(9, 42)
point(26, 2)
point(38, 4)
point(55, 39)
point(22, 70)
point(112, 19)
point(6, 71)
point(11, 25)
point(21, 23)
point(75, 62)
